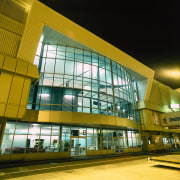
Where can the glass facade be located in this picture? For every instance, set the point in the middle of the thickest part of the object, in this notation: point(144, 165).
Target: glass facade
point(30, 137)
point(73, 79)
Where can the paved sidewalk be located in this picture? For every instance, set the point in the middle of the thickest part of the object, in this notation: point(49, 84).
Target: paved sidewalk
point(80, 158)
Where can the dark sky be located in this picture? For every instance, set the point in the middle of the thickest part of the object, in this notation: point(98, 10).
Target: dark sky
point(147, 30)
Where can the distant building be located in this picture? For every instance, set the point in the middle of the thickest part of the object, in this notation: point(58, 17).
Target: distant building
point(65, 92)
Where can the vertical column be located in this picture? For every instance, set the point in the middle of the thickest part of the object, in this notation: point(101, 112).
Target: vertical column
point(2, 129)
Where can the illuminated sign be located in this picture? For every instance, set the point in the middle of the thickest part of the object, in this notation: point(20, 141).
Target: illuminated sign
point(174, 106)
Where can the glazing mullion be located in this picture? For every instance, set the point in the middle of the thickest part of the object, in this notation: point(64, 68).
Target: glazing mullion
point(50, 135)
point(98, 86)
point(83, 82)
point(64, 66)
point(27, 137)
point(106, 86)
point(39, 136)
point(73, 91)
point(91, 89)
point(13, 137)
point(113, 88)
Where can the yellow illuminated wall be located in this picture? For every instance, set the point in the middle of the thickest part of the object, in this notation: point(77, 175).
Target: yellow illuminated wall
point(16, 74)
point(161, 97)
point(34, 27)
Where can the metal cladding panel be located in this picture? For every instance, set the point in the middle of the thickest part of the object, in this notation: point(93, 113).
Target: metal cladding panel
point(10, 64)
point(2, 108)
point(9, 43)
point(5, 81)
point(16, 90)
point(11, 25)
point(21, 111)
point(21, 67)
point(25, 93)
point(155, 95)
point(2, 57)
point(11, 111)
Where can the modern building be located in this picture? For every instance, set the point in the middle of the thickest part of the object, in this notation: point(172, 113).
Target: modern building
point(65, 92)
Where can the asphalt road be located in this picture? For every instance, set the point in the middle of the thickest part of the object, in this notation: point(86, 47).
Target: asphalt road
point(112, 168)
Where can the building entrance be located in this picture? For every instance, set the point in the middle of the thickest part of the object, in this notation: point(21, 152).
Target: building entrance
point(118, 144)
point(78, 146)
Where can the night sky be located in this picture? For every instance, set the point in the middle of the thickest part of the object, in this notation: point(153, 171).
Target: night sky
point(147, 30)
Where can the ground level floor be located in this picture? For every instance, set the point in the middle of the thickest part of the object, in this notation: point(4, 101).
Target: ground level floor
point(37, 141)
point(120, 167)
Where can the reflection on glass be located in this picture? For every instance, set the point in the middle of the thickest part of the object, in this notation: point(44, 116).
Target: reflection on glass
point(6, 144)
point(19, 143)
point(22, 128)
point(33, 143)
point(10, 127)
point(55, 138)
point(79, 70)
point(45, 129)
point(34, 128)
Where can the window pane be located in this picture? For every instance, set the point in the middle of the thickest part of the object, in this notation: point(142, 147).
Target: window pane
point(34, 128)
point(79, 54)
point(32, 143)
point(45, 129)
point(69, 56)
point(60, 55)
point(92, 143)
point(65, 143)
point(86, 102)
point(82, 131)
point(110, 143)
point(87, 70)
point(6, 144)
point(95, 85)
point(44, 144)
point(56, 130)
point(94, 72)
point(65, 131)
point(22, 128)
point(59, 68)
point(47, 80)
point(69, 67)
point(43, 65)
point(101, 62)
point(78, 70)
point(108, 76)
point(61, 48)
point(19, 144)
point(78, 82)
point(10, 127)
point(102, 74)
point(49, 68)
point(45, 95)
point(86, 84)
point(89, 131)
point(55, 144)
point(58, 80)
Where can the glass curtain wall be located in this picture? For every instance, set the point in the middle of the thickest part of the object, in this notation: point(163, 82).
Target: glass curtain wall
point(73, 79)
point(28, 137)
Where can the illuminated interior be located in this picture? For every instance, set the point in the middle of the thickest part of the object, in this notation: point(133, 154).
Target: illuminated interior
point(73, 79)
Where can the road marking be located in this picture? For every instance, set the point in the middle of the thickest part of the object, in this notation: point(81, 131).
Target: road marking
point(29, 170)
